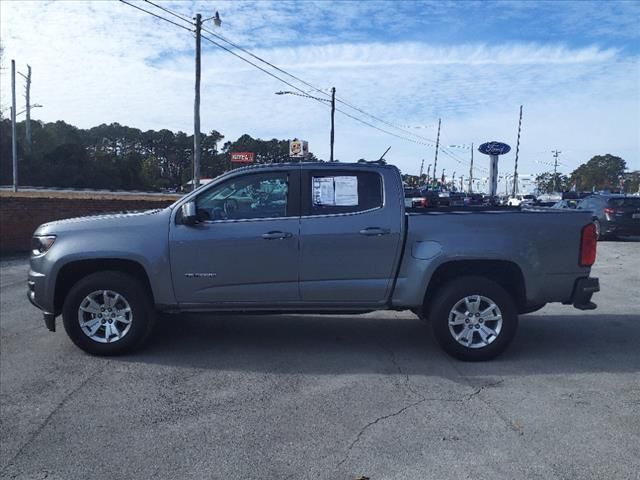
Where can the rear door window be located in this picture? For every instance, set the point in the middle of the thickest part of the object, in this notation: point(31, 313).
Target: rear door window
point(343, 191)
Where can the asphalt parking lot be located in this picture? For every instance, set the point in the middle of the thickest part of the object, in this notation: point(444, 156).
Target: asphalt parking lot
point(327, 397)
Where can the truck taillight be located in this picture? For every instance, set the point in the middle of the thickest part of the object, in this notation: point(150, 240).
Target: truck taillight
point(588, 242)
point(424, 202)
point(609, 211)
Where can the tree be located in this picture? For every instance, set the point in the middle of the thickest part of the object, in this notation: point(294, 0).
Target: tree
point(601, 172)
point(266, 151)
point(631, 182)
point(212, 162)
point(411, 180)
point(114, 156)
point(547, 182)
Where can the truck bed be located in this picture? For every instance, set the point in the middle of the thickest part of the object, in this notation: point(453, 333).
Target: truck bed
point(540, 241)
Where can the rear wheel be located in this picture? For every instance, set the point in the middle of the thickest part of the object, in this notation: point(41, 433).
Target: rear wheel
point(108, 313)
point(473, 318)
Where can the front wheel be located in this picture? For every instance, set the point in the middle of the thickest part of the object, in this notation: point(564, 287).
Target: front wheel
point(473, 318)
point(108, 313)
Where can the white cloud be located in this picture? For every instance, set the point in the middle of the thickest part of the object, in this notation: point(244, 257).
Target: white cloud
point(105, 62)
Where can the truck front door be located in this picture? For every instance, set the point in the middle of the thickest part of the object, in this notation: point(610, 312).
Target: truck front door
point(244, 249)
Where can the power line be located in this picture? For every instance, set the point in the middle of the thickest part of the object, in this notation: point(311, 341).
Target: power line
point(305, 93)
point(157, 16)
point(423, 140)
point(319, 90)
point(277, 68)
point(171, 12)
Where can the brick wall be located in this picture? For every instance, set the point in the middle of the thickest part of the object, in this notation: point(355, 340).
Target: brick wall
point(22, 212)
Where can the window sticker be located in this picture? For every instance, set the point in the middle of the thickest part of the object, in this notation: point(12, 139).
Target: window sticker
point(335, 191)
point(323, 191)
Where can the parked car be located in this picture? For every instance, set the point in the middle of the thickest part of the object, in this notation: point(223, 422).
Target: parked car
point(474, 199)
point(409, 194)
point(312, 238)
point(423, 197)
point(565, 204)
point(521, 200)
point(613, 214)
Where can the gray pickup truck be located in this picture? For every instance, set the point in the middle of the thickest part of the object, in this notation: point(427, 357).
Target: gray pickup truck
point(311, 238)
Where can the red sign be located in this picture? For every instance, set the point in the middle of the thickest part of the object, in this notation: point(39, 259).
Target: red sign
point(242, 157)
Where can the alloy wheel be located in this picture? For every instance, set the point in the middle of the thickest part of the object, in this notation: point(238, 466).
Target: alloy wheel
point(475, 321)
point(105, 316)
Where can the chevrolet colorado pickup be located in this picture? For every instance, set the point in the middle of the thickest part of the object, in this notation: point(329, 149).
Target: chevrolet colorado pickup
point(311, 238)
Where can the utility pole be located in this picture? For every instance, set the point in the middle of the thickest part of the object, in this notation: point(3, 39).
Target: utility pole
point(471, 171)
point(555, 169)
point(333, 114)
point(421, 170)
point(14, 145)
point(197, 152)
point(429, 174)
point(515, 171)
point(28, 99)
point(453, 180)
point(435, 163)
point(196, 108)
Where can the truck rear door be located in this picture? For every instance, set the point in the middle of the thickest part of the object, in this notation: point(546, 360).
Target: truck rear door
point(350, 236)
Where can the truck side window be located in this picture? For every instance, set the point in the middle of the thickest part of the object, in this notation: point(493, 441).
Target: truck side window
point(246, 197)
point(344, 192)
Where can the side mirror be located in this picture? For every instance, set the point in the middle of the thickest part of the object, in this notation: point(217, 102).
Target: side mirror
point(188, 211)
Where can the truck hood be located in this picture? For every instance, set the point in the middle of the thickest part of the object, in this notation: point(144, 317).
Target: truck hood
point(110, 221)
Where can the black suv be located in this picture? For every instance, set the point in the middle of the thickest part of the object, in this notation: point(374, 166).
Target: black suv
point(613, 214)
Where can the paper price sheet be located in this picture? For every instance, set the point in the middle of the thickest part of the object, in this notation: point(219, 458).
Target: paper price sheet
point(335, 191)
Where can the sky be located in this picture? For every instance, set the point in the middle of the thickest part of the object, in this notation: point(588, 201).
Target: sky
point(573, 66)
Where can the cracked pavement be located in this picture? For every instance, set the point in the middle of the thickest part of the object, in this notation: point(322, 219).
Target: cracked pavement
point(327, 397)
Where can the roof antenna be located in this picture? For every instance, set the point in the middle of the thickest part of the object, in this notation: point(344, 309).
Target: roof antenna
point(385, 152)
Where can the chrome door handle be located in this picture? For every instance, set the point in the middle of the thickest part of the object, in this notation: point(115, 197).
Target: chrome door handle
point(276, 235)
point(375, 231)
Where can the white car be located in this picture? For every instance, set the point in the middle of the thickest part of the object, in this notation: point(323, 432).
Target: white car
point(520, 199)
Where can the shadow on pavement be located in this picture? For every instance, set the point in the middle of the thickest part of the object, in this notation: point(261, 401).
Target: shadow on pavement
point(335, 345)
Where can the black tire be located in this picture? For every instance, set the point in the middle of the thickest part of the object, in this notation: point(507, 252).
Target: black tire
point(420, 313)
point(142, 317)
point(532, 308)
point(457, 290)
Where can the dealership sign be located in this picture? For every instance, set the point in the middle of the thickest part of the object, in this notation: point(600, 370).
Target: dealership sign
point(494, 148)
point(298, 148)
point(242, 157)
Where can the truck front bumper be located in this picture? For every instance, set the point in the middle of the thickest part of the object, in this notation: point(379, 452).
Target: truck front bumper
point(583, 290)
point(35, 286)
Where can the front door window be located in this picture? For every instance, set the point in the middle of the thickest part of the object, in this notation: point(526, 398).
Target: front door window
point(247, 197)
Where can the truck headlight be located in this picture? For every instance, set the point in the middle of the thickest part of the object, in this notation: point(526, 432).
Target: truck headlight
point(41, 243)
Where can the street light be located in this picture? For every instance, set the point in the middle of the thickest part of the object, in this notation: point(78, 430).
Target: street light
point(333, 111)
point(35, 105)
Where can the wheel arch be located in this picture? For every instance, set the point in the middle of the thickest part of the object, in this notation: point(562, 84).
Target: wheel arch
point(70, 273)
point(505, 273)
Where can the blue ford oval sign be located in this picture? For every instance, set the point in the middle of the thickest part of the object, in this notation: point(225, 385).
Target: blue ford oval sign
point(494, 148)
